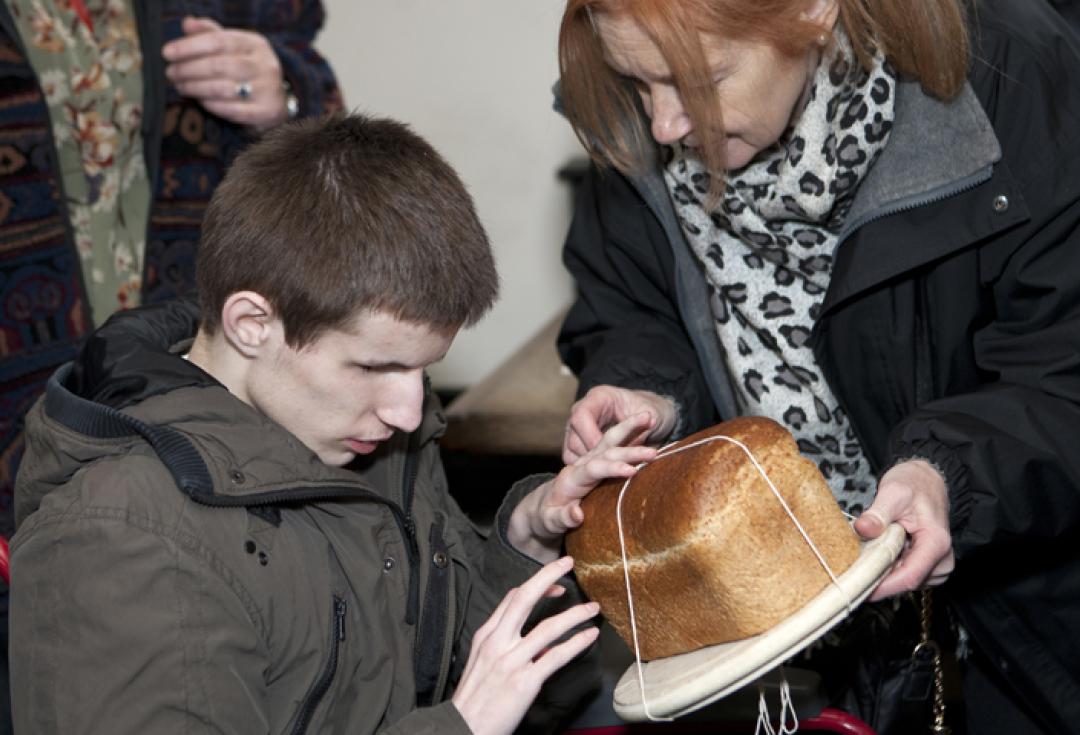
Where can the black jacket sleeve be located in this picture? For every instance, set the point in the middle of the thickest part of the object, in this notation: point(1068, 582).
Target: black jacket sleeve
point(625, 328)
point(1008, 447)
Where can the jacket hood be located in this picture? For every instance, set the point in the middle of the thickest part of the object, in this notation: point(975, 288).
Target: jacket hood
point(131, 392)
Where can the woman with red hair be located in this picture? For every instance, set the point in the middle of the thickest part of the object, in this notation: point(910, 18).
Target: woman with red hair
point(862, 219)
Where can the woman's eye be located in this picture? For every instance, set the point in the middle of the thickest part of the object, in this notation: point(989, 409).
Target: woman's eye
point(640, 86)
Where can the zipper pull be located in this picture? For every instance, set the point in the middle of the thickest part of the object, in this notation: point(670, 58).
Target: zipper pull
point(339, 618)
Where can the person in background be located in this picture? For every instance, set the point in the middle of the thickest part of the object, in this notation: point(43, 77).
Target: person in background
point(233, 517)
point(861, 219)
point(118, 119)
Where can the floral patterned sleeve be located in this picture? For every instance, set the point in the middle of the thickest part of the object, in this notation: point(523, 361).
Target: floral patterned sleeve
point(89, 62)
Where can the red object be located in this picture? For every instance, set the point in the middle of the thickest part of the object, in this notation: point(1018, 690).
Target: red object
point(84, 15)
point(4, 561)
point(834, 720)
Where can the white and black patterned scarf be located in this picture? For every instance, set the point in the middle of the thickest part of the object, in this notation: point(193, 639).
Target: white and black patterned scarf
point(767, 251)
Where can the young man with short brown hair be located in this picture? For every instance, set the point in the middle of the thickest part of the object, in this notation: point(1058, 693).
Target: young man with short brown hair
point(258, 538)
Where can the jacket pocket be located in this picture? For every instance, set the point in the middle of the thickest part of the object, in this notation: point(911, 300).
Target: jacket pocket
point(326, 678)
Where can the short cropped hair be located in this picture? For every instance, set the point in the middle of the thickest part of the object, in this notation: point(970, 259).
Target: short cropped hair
point(328, 217)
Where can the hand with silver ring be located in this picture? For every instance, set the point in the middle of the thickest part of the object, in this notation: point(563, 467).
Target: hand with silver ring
point(233, 73)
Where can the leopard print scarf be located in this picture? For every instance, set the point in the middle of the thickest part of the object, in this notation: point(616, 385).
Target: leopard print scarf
point(767, 252)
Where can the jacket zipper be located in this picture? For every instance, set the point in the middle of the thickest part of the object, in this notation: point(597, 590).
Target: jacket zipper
point(408, 527)
point(954, 189)
point(919, 200)
point(322, 684)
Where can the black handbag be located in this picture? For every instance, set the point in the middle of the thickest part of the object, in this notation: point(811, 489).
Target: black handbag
point(884, 667)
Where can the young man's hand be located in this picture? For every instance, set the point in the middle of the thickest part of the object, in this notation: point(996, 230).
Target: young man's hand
point(540, 520)
point(505, 669)
point(604, 406)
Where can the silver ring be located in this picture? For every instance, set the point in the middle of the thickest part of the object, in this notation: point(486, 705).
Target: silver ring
point(243, 90)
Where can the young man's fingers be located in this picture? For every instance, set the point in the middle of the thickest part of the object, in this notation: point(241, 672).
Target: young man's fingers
point(561, 518)
point(602, 468)
point(575, 516)
point(493, 621)
point(614, 462)
point(531, 591)
point(555, 590)
point(582, 476)
point(558, 656)
point(548, 630)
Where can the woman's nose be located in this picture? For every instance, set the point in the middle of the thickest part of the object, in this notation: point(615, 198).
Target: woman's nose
point(670, 123)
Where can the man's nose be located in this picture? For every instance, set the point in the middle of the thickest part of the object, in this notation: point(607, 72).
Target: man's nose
point(402, 402)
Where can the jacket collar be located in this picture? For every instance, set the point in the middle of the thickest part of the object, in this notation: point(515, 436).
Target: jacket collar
point(130, 386)
point(944, 158)
point(936, 149)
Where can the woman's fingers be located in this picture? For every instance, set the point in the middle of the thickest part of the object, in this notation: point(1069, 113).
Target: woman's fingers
point(235, 74)
point(621, 433)
point(583, 431)
point(929, 557)
point(230, 68)
point(574, 446)
point(913, 494)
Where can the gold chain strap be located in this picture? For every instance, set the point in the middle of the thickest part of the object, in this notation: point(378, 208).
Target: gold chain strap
point(925, 642)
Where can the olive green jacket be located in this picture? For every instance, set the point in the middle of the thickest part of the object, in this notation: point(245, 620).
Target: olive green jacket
point(184, 564)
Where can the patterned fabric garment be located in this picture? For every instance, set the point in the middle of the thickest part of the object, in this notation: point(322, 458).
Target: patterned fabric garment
point(767, 251)
point(88, 59)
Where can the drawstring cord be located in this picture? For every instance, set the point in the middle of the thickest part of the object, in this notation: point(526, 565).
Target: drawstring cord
point(786, 706)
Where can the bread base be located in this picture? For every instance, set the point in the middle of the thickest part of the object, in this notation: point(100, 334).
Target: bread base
point(678, 685)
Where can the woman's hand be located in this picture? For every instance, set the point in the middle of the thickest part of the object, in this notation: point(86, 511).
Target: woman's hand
point(234, 74)
point(604, 406)
point(505, 669)
point(912, 494)
point(540, 520)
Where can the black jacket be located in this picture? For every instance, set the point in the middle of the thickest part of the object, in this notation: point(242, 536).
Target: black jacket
point(950, 331)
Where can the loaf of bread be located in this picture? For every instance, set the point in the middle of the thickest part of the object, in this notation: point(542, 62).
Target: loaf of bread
point(713, 556)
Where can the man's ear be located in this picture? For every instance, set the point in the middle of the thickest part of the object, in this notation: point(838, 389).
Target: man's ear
point(248, 322)
point(822, 13)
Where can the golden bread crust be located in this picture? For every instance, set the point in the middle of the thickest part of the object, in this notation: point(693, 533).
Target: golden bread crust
point(713, 555)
